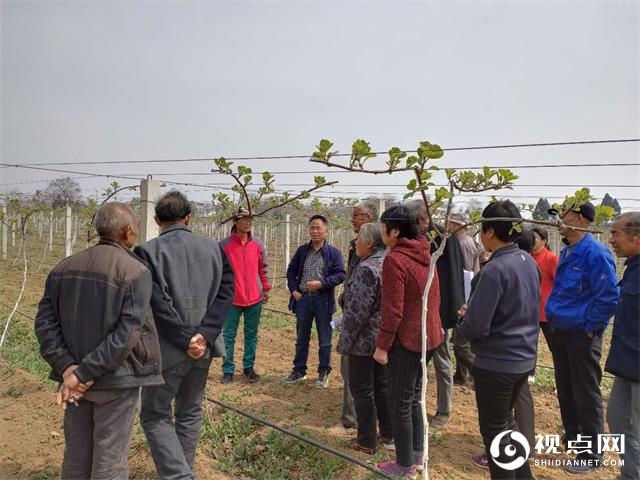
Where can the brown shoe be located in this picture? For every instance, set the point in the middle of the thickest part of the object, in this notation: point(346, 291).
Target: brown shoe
point(359, 448)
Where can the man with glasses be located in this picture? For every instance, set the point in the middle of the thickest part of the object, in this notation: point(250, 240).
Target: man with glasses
point(313, 273)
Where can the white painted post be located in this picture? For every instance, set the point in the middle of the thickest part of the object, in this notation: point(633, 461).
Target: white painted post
point(287, 241)
point(14, 223)
point(298, 237)
point(4, 232)
point(68, 247)
point(381, 207)
point(50, 243)
point(149, 193)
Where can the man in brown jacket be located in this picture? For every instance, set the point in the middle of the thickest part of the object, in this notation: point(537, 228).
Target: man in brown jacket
point(96, 331)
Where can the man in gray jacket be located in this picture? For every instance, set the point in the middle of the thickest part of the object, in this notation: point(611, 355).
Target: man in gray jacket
point(95, 330)
point(192, 291)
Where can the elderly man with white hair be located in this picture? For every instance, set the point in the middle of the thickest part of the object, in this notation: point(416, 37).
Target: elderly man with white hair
point(96, 331)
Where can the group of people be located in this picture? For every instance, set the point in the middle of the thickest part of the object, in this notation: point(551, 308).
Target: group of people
point(113, 321)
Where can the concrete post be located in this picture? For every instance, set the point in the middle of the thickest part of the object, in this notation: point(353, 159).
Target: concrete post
point(149, 193)
point(68, 246)
point(4, 232)
point(50, 243)
point(287, 242)
point(381, 207)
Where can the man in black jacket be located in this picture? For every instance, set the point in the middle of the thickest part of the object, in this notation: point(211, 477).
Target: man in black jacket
point(192, 290)
point(95, 330)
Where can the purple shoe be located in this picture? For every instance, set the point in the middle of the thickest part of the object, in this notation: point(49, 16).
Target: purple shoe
point(480, 460)
point(392, 468)
point(419, 465)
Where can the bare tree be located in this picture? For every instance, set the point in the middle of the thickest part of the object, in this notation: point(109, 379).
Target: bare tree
point(62, 191)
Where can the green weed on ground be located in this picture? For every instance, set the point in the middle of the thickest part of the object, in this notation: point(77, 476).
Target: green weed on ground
point(21, 349)
point(274, 321)
point(242, 447)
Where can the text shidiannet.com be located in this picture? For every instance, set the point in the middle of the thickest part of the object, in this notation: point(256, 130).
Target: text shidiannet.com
point(550, 444)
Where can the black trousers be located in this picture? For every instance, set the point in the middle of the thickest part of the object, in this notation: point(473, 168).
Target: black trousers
point(547, 332)
point(464, 356)
point(405, 381)
point(496, 395)
point(576, 359)
point(525, 415)
point(369, 388)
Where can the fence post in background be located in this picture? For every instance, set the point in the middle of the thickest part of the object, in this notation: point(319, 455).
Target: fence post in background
point(4, 232)
point(298, 236)
point(381, 208)
point(287, 241)
point(50, 242)
point(149, 193)
point(14, 224)
point(67, 232)
point(264, 237)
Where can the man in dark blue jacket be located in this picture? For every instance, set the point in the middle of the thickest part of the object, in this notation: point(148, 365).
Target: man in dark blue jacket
point(313, 273)
point(501, 322)
point(623, 411)
point(582, 301)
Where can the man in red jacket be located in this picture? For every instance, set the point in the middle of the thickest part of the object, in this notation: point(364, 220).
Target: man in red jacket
point(249, 261)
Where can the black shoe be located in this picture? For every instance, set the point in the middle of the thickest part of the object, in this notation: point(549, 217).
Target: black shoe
point(251, 375)
point(226, 378)
point(294, 377)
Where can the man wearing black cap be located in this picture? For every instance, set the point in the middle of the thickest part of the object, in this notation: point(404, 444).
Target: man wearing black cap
point(249, 261)
point(582, 301)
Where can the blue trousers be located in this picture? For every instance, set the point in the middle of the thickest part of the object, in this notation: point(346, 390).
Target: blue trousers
point(309, 308)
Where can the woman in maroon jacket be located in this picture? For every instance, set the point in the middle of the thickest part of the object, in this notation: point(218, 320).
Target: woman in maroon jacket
point(399, 340)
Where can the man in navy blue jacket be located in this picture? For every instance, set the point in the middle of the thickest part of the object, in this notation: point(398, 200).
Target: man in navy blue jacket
point(582, 301)
point(501, 322)
point(313, 273)
point(623, 411)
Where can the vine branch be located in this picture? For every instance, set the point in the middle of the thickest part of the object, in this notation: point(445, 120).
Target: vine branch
point(303, 194)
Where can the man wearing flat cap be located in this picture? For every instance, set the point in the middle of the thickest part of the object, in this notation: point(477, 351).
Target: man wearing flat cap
point(582, 301)
point(249, 261)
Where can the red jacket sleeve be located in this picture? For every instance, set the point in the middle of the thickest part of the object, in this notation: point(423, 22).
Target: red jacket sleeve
point(393, 280)
point(552, 265)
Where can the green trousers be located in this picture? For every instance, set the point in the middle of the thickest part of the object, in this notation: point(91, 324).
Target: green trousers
point(230, 330)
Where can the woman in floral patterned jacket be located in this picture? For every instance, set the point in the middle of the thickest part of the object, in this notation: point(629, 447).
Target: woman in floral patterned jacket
point(361, 321)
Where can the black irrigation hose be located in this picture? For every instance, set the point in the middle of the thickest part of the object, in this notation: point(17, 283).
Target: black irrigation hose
point(604, 375)
point(302, 438)
point(278, 311)
point(17, 311)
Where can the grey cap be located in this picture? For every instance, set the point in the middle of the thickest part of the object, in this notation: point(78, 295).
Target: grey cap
point(459, 218)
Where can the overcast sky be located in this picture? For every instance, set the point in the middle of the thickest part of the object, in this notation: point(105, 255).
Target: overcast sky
point(101, 81)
